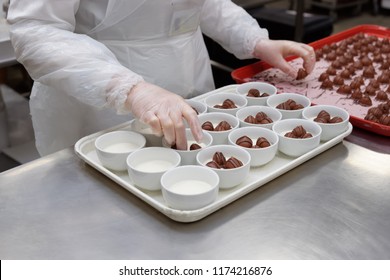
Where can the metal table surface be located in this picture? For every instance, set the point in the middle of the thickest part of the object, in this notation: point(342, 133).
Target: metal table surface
point(335, 206)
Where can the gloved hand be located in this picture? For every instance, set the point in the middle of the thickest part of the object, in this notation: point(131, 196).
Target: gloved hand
point(274, 51)
point(164, 112)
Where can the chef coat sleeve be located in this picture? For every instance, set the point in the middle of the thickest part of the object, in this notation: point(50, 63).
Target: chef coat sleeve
point(42, 34)
point(232, 27)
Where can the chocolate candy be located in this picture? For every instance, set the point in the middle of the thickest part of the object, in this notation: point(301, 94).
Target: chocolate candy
point(324, 117)
point(219, 158)
point(381, 95)
point(298, 132)
point(335, 120)
point(253, 92)
point(289, 105)
point(208, 126)
point(233, 163)
point(195, 146)
point(365, 100)
point(250, 119)
point(227, 104)
point(327, 84)
point(222, 126)
point(262, 142)
point(244, 141)
point(213, 164)
point(301, 74)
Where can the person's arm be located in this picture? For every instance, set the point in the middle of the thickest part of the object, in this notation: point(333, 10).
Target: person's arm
point(42, 33)
point(239, 33)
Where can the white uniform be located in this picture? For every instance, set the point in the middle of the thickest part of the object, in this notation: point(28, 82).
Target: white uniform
point(85, 55)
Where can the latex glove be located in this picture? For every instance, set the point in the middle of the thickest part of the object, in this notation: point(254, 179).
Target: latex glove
point(164, 111)
point(274, 51)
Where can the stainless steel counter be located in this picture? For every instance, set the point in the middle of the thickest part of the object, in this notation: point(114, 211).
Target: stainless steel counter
point(335, 206)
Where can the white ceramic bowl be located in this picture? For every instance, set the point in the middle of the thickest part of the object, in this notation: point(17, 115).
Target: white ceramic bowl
point(112, 148)
point(152, 140)
point(272, 113)
point(259, 156)
point(262, 87)
point(218, 98)
point(188, 157)
point(329, 130)
point(146, 166)
point(295, 147)
point(219, 137)
point(199, 106)
point(190, 187)
point(276, 99)
point(228, 178)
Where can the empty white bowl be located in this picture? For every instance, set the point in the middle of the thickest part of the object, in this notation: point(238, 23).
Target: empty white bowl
point(277, 99)
point(219, 137)
point(146, 166)
point(112, 148)
point(189, 187)
point(272, 113)
point(152, 140)
point(262, 87)
point(218, 98)
point(199, 106)
point(228, 178)
point(259, 156)
point(329, 130)
point(188, 157)
point(295, 147)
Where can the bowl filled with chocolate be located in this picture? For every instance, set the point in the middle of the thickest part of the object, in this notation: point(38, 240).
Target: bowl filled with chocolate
point(261, 143)
point(262, 116)
point(189, 187)
point(231, 163)
point(225, 102)
point(291, 105)
point(332, 119)
point(112, 148)
point(188, 156)
point(256, 93)
point(146, 166)
point(218, 125)
point(297, 136)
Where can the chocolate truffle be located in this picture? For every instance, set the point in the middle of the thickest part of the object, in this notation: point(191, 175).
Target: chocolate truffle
point(260, 116)
point(213, 164)
point(385, 65)
point(345, 73)
point(356, 94)
point(375, 111)
point(344, 89)
point(366, 61)
point(385, 49)
point(324, 115)
point(208, 126)
point(358, 64)
point(384, 79)
point(250, 119)
point(384, 107)
point(253, 92)
point(262, 142)
point(336, 64)
point(233, 163)
point(365, 100)
point(370, 90)
point(327, 84)
point(378, 58)
point(385, 120)
point(381, 95)
point(222, 126)
point(369, 72)
point(299, 131)
point(323, 77)
point(229, 104)
point(219, 158)
point(331, 56)
point(335, 120)
point(301, 74)
point(331, 71)
point(338, 80)
point(374, 83)
point(195, 146)
point(355, 84)
point(244, 141)
point(326, 49)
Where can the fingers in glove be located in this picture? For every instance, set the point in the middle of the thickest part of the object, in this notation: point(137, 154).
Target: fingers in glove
point(153, 121)
point(309, 59)
point(179, 129)
point(168, 128)
point(193, 121)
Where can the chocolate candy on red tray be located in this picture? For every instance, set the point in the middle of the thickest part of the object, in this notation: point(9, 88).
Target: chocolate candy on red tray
point(301, 74)
point(365, 100)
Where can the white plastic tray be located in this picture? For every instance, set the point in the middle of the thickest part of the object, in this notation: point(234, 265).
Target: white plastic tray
point(258, 176)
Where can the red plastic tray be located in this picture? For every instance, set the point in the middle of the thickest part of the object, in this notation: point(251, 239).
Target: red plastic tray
point(247, 73)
